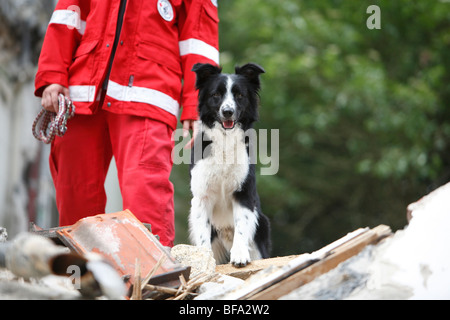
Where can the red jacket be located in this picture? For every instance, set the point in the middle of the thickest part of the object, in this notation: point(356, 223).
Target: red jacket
point(159, 43)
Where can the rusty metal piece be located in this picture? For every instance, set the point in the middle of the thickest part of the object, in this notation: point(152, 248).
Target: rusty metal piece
point(47, 233)
point(121, 239)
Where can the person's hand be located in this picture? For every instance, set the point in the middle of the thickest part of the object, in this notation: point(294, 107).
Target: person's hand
point(50, 96)
point(190, 124)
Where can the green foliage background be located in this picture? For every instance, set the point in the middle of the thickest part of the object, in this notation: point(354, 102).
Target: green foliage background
point(363, 114)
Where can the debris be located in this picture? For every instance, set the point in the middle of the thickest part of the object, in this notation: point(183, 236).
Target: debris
point(186, 289)
point(253, 267)
point(306, 267)
point(46, 288)
point(337, 284)
point(121, 239)
point(154, 269)
point(415, 263)
point(189, 288)
point(3, 235)
point(162, 289)
point(438, 196)
point(137, 291)
point(221, 285)
point(200, 259)
point(33, 256)
point(111, 285)
point(364, 264)
point(412, 264)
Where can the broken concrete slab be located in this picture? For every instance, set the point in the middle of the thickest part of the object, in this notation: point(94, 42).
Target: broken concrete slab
point(200, 259)
point(417, 258)
point(338, 283)
point(412, 264)
point(218, 288)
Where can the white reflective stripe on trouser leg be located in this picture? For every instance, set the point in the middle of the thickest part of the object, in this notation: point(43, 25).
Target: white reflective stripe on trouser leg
point(145, 95)
point(70, 18)
point(195, 46)
point(82, 93)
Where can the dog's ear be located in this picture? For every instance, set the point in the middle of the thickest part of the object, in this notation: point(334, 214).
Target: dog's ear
point(251, 71)
point(204, 71)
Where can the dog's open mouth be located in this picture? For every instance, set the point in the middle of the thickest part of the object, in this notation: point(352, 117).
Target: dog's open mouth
point(228, 124)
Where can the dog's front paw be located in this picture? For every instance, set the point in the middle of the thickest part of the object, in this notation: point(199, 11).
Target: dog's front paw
point(239, 256)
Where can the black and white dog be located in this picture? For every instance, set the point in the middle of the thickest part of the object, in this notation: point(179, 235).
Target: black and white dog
point(225, 212)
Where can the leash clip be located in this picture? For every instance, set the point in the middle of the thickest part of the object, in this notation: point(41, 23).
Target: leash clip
point(69, 112)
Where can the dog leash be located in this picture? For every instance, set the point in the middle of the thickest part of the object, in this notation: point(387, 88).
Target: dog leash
point(48, 124)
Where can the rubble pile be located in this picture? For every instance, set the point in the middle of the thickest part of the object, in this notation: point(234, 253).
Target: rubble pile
point(412, 263)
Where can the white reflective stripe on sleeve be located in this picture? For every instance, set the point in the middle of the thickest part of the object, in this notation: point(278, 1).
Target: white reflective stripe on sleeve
point(145, 95)
point(195, 46)
point(69, 18)
point(82, 93)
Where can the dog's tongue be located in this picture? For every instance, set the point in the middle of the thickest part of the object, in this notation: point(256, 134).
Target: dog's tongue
point(228, 124)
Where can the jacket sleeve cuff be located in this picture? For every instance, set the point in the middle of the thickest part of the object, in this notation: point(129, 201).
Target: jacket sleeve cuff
point(47, 78)
point(189, 113)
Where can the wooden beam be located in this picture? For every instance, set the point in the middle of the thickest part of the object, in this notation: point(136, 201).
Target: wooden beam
point(253, 267)
point(340, 254)
point(306, 267)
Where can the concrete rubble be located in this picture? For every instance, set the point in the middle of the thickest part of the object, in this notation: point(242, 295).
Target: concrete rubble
point(13, 287)
point(200, 259)
point(413, 263)
point(35, 267)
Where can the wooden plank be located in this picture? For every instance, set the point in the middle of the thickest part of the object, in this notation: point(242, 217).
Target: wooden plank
point(255, 266)
point(253, 288)
point(340, 254)
point(258, 265)
point(301, 262)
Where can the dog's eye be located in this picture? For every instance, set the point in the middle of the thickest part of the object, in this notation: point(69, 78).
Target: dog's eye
point(216, 95)
point(239, 95)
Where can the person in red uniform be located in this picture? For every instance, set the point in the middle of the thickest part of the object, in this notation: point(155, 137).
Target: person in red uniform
point(126, 65)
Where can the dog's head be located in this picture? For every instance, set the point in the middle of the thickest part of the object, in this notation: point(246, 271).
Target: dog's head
point(228, 99)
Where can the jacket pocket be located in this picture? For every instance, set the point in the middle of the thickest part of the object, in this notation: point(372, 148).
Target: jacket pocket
point(211, 11)
point(160, 55)
point(85, 47)
point(209, 23)
point(82, 68)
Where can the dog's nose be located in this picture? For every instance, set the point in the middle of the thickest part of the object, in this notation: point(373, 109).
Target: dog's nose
point(227, 112)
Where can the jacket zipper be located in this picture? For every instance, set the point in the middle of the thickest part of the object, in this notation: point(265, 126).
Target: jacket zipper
point(122, 7)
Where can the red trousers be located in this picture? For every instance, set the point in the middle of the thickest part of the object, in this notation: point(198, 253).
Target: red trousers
point(79, 162)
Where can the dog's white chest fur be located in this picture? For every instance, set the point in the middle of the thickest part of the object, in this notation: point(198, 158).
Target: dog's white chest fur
point(222, 172)
point(214, 180)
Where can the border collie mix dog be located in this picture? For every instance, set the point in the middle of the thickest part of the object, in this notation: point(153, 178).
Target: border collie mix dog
point(225, 212)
